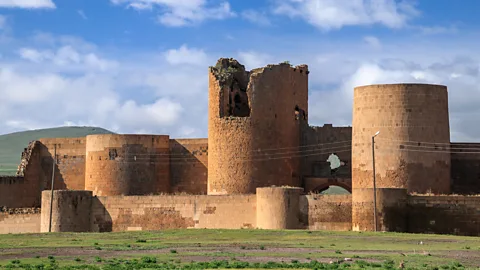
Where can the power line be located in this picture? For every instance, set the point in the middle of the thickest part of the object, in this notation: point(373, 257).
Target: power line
point(428, 151)
point(273, 156)
point(145, 155)
point(421, 142)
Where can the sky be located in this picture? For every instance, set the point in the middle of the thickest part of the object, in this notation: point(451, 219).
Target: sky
point(141, 66)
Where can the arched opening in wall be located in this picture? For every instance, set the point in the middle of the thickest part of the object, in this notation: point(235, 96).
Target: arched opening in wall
point(299, 113)
point(328, 189)
point(239, 107)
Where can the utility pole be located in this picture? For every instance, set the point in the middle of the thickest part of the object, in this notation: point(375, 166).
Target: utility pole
point(374, 183)
point(51, 190)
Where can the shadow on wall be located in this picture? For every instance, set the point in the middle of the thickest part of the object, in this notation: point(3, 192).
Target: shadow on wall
point(46, 163)
point(188, 169)
point(449, 218)
point(326, 212)
point(100, 219)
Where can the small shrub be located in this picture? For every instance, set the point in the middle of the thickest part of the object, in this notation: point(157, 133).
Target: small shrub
point(37, 257)
point(467, 247)
point(78, 259)
point(338, 252)
point(332, 245)
point(243, 247)
point(98, 259)
point(98, 248)
point(15, 261)
point(96, 244)
point(128, 245)
point(173, 251)
point(141, 241)
point(262, 247)
point(50, 257)
point(149, 260)
point(294, 261)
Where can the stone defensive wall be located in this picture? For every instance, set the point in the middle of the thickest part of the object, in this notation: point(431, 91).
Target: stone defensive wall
point(326, 212)
point(317, 143)
point(189, 166)
point(465, 158)
point(254, 126)
point(127, 164)
point(19, 220)
point(403, 116)
point(269, 208)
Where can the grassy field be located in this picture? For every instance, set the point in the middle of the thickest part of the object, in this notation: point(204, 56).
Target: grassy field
point(254, 249)
point(12, 145)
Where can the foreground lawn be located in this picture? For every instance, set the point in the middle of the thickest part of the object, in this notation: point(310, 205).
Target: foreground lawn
point(246, 249)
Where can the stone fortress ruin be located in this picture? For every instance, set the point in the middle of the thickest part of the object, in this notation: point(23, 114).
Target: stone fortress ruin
point(262, 166)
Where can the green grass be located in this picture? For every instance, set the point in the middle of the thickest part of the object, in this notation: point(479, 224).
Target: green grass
point(186, 249)
point(12, 145)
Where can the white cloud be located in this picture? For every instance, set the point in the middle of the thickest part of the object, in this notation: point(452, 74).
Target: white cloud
point(373, 42)
point(251, 59)
point(3, 21)
point(176, 13)
point(82, 14)
point(434, 30)
point(65, 56)
point(28, 4)
point(333, 14)
point(256, 17)
point(147, 94)
point(184, 55)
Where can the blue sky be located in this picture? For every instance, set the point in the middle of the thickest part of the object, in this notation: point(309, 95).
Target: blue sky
point(140, 66)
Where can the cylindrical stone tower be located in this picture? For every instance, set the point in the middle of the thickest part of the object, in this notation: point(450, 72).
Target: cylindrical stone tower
point(127, 164)
point(254, 126)
point(278, 208)
point(71, 210)
point(409, 150)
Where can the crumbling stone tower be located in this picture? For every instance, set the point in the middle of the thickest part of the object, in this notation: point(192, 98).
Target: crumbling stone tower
point(411, 118)
point(254, 126)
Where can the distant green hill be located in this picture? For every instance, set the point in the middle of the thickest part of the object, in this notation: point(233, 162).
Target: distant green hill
point(12, 145)
point(334, 190)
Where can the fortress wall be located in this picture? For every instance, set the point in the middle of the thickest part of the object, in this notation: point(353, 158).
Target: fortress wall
point(411, 150)
point(189, 165)
point(391, 209)
point(24, 191)
point(411, 118)
point(251, 113)
point(318, 143)
point(124, 213)
point(70, 166)
point(71, 210)
point(326, 212)
point(12, 189)
point(465, 169)
point(20, 220)
point(127, 164)
point(278, 208)
point(459, 215)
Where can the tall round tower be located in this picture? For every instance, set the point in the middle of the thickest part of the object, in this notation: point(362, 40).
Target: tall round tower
point(250, 114)
point(410, 150)
point(127, 164)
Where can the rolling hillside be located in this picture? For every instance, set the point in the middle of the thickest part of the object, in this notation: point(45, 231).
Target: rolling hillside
point(12, 145)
